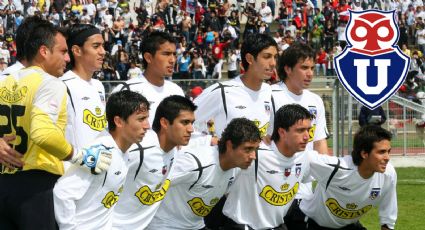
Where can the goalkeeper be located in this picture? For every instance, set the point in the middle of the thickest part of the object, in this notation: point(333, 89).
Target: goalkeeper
point(86, 200)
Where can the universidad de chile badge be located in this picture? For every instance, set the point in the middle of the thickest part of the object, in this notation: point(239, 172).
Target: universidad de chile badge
point(372, 67)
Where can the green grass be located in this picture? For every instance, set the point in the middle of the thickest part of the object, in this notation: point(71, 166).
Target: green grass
point(410, 198)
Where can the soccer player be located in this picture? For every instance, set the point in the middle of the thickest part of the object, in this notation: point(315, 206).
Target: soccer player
point(86, 96)
point(350, 186)
point(244, 96)
point(33, 102)
point(201, 175)
point(86, 201)
point(261, 195)
point(159, 58)
point(150, 162)
point(296, 69)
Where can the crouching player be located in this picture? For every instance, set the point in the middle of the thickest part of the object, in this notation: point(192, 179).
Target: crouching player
point(86, 200)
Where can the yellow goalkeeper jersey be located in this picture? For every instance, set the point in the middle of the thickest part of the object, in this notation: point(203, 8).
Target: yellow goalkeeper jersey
point(33, 108)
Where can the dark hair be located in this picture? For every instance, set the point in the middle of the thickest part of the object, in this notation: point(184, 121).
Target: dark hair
point(170, 108)
point(238, 131)
point(253, 44)
point(42, 33)
point(123, 104)
point(287, 116)
point(291, 56)
point(23, 32)
point(365, 139)
point(153, 41)
point(77, 35)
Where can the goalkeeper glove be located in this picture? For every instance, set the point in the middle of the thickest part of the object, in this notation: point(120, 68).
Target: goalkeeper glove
point(97, 158)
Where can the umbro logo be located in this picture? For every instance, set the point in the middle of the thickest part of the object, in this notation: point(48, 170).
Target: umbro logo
point(240, 107)
point(344, 188)
point(153, 170)
point(85, 98)
point(117, 173)
point(207, 186)
point(272, 171)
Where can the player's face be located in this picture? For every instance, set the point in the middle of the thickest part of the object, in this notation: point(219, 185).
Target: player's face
point(244, 154)
point(182, 128)
point(57, 57)
point(296, 138)
point(378, 158)
point(93, 53)
point(264, 65)
point(301, 75)
point(162, 63)
point(136, 126)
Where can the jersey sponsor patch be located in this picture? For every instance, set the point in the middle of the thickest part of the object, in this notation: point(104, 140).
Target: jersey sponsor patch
point(95, 121)
point(110, 199)
point(374, 193)
point(199, 207)
point(147, 197)
point(311, 133)
point(276, 198)
point(262, 129)
point(13, 96)
point(350, 212)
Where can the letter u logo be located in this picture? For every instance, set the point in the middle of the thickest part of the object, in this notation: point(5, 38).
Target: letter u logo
point(382, 74)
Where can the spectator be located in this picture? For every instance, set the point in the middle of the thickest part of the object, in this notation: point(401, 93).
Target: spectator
point(372, 117)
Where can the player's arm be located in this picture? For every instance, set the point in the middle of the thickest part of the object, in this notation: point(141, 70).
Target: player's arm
point(48, 122)
point(320, 143)
point(388, 205)
point(68, 190)
point(321, 146)
point(209, 103)
point(9, 156)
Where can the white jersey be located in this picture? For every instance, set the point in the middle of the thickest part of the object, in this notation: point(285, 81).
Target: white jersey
point(86, 109)
point(13, 68)
point(348, 195)
point(145, 187)
point(86, 201)
point(313, 103)
point(153, 93)
point(262, 194)
point(197, 183)
point(232, 99)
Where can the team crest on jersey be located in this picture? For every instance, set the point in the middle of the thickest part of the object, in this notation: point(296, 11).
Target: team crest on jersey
point(267, 107)
point(374, 193)
point(372, 67)
point(298, 170)
point(313, 110)
point(287, 172)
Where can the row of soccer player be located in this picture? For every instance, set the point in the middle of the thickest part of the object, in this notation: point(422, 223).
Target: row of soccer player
point(47, 111)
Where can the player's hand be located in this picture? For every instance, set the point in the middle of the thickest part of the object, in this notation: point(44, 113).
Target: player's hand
point(97, 158)
point(8, 156)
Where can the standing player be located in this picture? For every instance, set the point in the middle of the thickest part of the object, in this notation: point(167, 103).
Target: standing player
point(296, 69)
point(244, 96)
point(150, 162)
point(201, 175)
point(86, 201)
point(86, 96)
point(350, 186)
point(159, 58)
point(261, 195)
point(34, 105)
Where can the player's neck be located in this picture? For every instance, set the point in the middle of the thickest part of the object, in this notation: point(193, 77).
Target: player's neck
point(293, 89)
point(225, 164)
point(82, 72)
point(122, 144)
point(284, 150)
point(365, 172)
point(164, 143)
point(251, 81)
point(153, 78)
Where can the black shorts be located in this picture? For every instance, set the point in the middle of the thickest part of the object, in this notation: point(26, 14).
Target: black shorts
point(312, 225)
point(26, 200)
